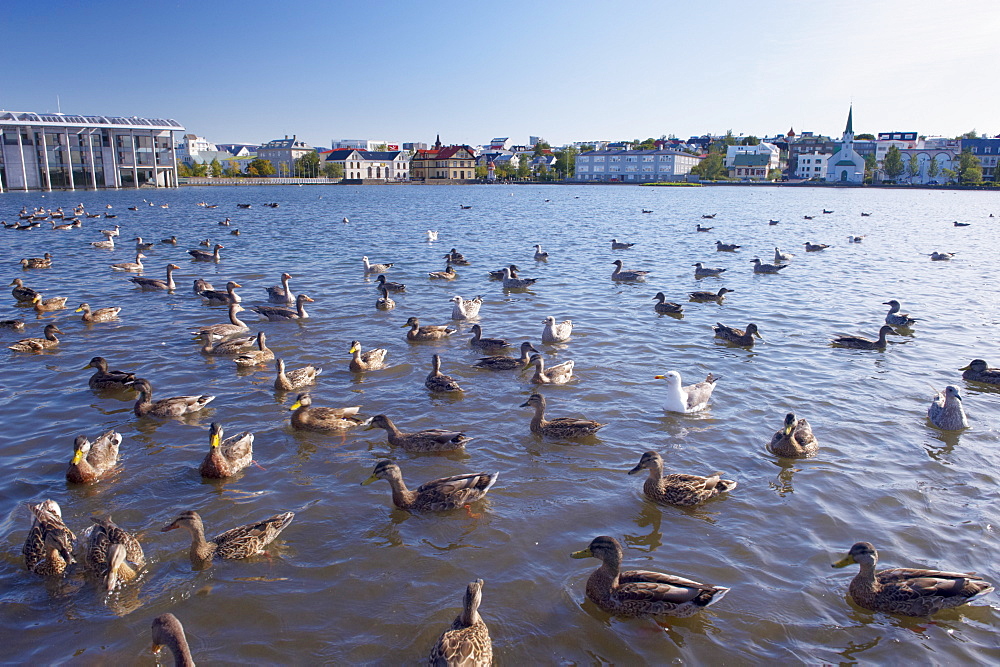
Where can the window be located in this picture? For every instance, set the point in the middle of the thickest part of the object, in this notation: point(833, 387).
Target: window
point(630, 158)
point(986, 149)
point(645, 168)
point(599, 167)
point(599, 158)
point(583, 167)
point(631, 168)
point(665, 158)
point(647, 158)
point(616, 159)
point(615, 169)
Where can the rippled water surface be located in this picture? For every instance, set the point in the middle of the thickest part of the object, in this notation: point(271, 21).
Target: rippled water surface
point(353, 580)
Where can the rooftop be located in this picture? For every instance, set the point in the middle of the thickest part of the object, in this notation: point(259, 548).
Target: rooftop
point(61, 120)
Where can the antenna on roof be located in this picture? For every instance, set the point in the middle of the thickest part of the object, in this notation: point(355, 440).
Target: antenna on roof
point(58, 105)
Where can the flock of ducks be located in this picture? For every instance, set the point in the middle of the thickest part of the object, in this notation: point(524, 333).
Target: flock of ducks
point(114, 556)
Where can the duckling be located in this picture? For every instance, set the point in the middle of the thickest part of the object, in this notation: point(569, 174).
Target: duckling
point(21, 293)
point(561, 427)
point(426, 332)
point(132, 267)
point(428, 440)
point(389, 286)
point(384, 302)
point(465, 310)
point(794, 439)
point(692, 398)
point(99, 315)
point(372, 360)
point(241, 542)
point(38, 344)
point(558, 374)
point(279, 314)
point(437, 381)
point(467, 641)
point(702, 271)
point(105, 379)
point(202, 256)
point(438, 495)
point(108, 549)
point(92, 460)
point(281, 293)
point(261, 355)
point(448, 273)
point(233, 327)
point(296, 379)
point(510, 282)
point(759, 267)
point(979, 371)
point(737, 336)
point(478, 341)
point(502, 363)
point(815, 247)
point(946, 411)
point(167, 285)
point(219, 297)
point(225, 348)
point(619, 245)
point(48, 305)
point(539, 255)
point(176, 406)
point(620, 275)
point(896, 318)
point(678, 489)
point(375, 268)
point(43, 262)
point(307, 418)
point(556, 333)
point(455, 257)
point(862, 343)
point(665, 307)
point(226, 457)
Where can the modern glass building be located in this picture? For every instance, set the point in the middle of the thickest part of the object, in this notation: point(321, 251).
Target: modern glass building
point(65, 152)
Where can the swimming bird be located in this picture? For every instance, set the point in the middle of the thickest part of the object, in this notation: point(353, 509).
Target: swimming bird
point(176, 406)
point(709, 296)
point(619, 245)
point(692, 398)
point(455, 257)
point(979, 371)
point(231, 328)
point(372, 360)
point(167, 285)
point(38, 344)
point(226, 348)
point(815, 247)
point(99, 315)
point(375, 268)
point(896, 318)
point(726, 247)
point(437, 495)
point(709, 217)
point(908, 591)
point(431, 235)
point(865, 215)
point(384, 302)
point(556, 333)
point(48, 547)
point(701, 271)
point(296, 379)
point(114, 231)
point(132, 267)
point(558, 374)
point(782, 256)
point(647, 210)
point(465, 310)
point(426, 332)
point(240, 542)
point(504, 363)
point(202, 256)
point(43, 262)
point(467, 641)
point(941, 256)
point(448, 273)
point(226, 457)
point(109, 551)
point(428, 440)
point(141, 245)
point(862, 343)
point(737, 336)
point(962, 224)
point(620, 275)
point(773, 222)
point(510, 282)
point(703, 229)
point(279, 314)
point(13, 325)
point(665, 307)
point(478, 341)
point(856, 239)
point(437, 381)
point(561, 427)
point(807, 217)
point(48, 305)
point(826, 211)
point(946, 411)
point(678, 488)
point(21, 293)
point(389, 286)
point(498, 274)
point(281, 293)
point(307, 418)
point(539, 255)
point(261, 355)
point(223, 297)
point(106, 379)
point(642, 593)
point(759, 267)
point(92, 460)
point(200, 285)
point(794, 439)
point(170, 241)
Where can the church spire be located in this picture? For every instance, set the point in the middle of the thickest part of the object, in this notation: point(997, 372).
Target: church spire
point(850, 121)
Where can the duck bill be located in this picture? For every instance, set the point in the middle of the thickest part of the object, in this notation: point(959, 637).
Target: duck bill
point(635, 470)
point(525, 405)
point(368, 481)
point(966, 368)
point(215, 440)
point(295, 406)
point(845, 561)
point(169, 527)
point(78, 310)
point(354, 348)
point(583, 553)
point(77, 457)
point(789, 428)
point(757, 334)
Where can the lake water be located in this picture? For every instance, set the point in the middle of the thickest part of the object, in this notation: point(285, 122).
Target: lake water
point(353, 580)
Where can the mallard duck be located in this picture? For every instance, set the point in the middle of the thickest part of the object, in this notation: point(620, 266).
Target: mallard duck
point(621, 275)
point(48, 305)
point(390, 286)
point(38, 344)
point(92, 460)
point(200, 285)
point(692, 398)
point(455, 257)
point(465, 310)
point(478, 341)
point(539, 255)
point(759, 267)
point(296, 379)
point(99, 315)
point(105, 379)
point(202, 256)
point(726, 247)
point(448, 274)
point(170, 241)
point(156, 284)
point(896, 318)
point(261, 355)
point(498, 274)
point(676, 488)
point(709, 296)
point(862, 343)
point(307, 418)
point(241, 542)
point(794, 439)
point(815, 247)
point(279, 314)
point(13, 325)
point(109, 550)
point(642, 592)
point(665, 307)
point(561, 427)
point(21, 293)
point(556, 333)
point(510, 282)
point(618, 245)
point(467, 642)
point(168, 631)
point(226, 457)
point(908, 591)
point(426, 332)
point(384, 302)
point(428, 440)
point(935, 256)
point(558, 374)
point(780, 257)
point(281, 293)
point(226, 348)
point(502, 363)
point(48, 547)
point(44, 262)
point(701, 271)
point(372, 360)
point(946, 411)
point(223, 297)
point(132, 267)
point(207, 243)
point(737, 336)
point(375, 268)
point(437, 381)
point(167, 407)
point(979, 371)
point(438, 495)
point(233, 327)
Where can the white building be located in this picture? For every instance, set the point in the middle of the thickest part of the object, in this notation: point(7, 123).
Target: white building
point(770, 150)
point(283, 153)
point(812, 165)
point(370, 165)
point(846, 165)
point(621, 166)
point(364, 144)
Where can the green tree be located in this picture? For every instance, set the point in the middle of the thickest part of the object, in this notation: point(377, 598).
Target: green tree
point(333, 170)
point(871, 165)
point(933, 168)
point(481, 171)
point(971, 134)
point(949, 174)
point(750, 141)
point(541, 147)
point(233, 170)
point(864, 137)
point(261, 167)
point(729, 139)
point(504, 170)
point(913, 167)
point(199, 169)
point(566, 162)
point(215, 168)
point(774, 175)
point(893, 163)
point(586, 147)
point(645, 144)
point(970, 169)
point(711, 168)
point(381, 147)
point(524, 167)
point(307, 166)
point(183, 171)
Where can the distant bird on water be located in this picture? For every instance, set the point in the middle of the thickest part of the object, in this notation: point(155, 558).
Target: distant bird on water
point(617, 245)
point(896, 318)
point(862, 343)
point(760, 267)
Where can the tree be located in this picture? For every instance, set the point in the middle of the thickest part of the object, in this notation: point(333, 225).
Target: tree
point(524, 167)
point(481, 171)
point(933, 169)
point(865, 137)
point(233, 170)
point(729, 139)
point(261, 167)
point(183, 171)
point(871, 165)
point(541, 147)
point(645, 145)
point(307, 166)
point(949, 174)
point(971, 134)
point(893, 163)
point(750, 141)
point(215, 168)
point(333, 170)
point(970, 169)
point(566, 162)
point(711, 168)
point(381, 147)
point(913, 167)
point(774, 175)
point(199, 169)
point(505, 170)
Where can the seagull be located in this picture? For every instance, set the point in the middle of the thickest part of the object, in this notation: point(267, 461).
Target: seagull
point(706, 272)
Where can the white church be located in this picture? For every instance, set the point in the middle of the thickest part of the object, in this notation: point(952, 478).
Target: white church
point(846, 165)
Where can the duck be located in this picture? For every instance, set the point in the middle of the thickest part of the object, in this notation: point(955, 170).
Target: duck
point(226, 457)
point(70, 224)
point(106, 379)
point(558, 374)
point(202, 256)
point(862, 343)
point(48, 547)
point(979, 371)
point(937, 256)
point(43, 262)
point(261, 355)
point(307, 418)
point(642, 593)
point(620, 275)
point(150, 284)
point(176, 406)
point(961, 224)
point(438, 495)
point(13, 325)
point(827, 211)
point(141, 245)
point(896, 318)
point(908, 591)
point(503, 363)
point(99, 315)
point(726, 247)
point(780, 257)
point(384, 302)
point(375, 268)
point(815, 247)
point(699, 228)
point(200, 285)
point(692, 398)
point(437, 381)
point(21, 293)
point(539, 255)
point(794, 440)
point(279, 314)
point(677, 488)
point(168, 631)
point(48, 305)
point(296, 379)
point(110, 549)
point(207, 243)
point(737, 336)
point(467, 641)
point(773, 222)
point(281, 293)
point(455, 257)
point(709, 217)
point(233, 327)
point(226, 348)
point(665, 307)
point(448, 273)
point(620, 245)
point(389, 286)
point(510, 282)
point(38, 344)
point(372, 360)
point(710, 296)
point(465, 309)
point(240, 542)
point(556, 333)
point(223, 297)
point(760, 267)
point(92, 460)
point(946, 411)
point(498, 274)
point(561, 427)
point(426, 332)
point(856, 239)
point(169, 241)
point(478, 341)
point(427, 440)
point(701, 271)
point(132, 267)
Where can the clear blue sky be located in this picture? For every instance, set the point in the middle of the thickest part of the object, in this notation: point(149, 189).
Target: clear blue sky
point(565, 70)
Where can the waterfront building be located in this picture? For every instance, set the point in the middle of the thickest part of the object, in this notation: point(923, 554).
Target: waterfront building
point(412, 146)
point(239, 150)
point(752, 162)
point(370, 165)
point(901, 140)
point(283, 153)
point(811, 165)
point(987, 150)
point(63, 151)
point(630, 166)
point(364, 144)
point(804, 147)
point(443, 163)
point(846, 165)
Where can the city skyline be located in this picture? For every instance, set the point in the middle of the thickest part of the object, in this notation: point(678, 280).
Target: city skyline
point(581, 71)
